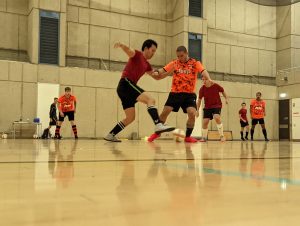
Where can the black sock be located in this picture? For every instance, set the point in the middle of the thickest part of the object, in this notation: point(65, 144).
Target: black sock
point(252, 133)
point(188, 132)
point(57, 130)
point(74, 128)
point(242, 135)
point(154, 114)
point(117, 129)
point(247, 135)
point(265, 133)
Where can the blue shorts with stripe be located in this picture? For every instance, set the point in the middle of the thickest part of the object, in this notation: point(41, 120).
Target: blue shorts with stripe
point(128, 92)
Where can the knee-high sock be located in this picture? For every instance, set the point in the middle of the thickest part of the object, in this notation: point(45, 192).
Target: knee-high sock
point(252, 133)
point(118, 128)
point(189, 131)
point(265, 133)
point(57, 130)
point(204, 133)
point(152, 110)
point(74, 128)
point(242, 134)
point(220, 129)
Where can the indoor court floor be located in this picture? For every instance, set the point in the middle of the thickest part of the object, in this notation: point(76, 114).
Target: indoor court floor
point(135, 183)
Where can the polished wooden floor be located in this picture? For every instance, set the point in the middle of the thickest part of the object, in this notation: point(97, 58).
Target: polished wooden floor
point(134, 183)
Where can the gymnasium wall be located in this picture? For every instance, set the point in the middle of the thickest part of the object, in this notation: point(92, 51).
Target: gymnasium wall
point(13, 29)
point(98, 105)
point(131, 22)
point(241, 38)
point(288, 55)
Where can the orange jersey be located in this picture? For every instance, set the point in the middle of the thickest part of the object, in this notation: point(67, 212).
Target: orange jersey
point(185, 75)
point(67, 104)
point(258, 109)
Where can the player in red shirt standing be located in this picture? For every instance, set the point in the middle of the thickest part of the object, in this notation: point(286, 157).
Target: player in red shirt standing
point(210, 91)
point(67, 107)
point(130, 93)
point(258, 112)
point(244, 121)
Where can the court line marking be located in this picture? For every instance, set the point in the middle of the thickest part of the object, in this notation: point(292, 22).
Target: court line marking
point(242, 175)
point(147, 160)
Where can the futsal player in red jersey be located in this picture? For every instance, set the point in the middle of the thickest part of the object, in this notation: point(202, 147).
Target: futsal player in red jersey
point(67, 107)
point(210, 91)
point(130, 93)
point(244, 121)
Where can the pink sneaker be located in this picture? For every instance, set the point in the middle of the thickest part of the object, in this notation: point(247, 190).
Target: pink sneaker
point(190, 140)
point(153, 137)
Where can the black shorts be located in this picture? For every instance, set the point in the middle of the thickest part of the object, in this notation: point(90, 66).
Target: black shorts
point(244, 124)
point(53, 122)
point(128, 92)
point(209, 113)
point(258, 121)
point(181, 100)
point(70, 115)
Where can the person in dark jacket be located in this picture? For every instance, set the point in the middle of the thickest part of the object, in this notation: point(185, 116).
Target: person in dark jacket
point(52, 117)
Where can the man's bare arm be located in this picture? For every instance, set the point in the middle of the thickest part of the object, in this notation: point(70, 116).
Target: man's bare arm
point(130, 52)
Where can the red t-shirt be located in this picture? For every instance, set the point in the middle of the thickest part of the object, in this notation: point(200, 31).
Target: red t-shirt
point(67, 104)
point(211, 96)
point(136, 67)
point(243, 113)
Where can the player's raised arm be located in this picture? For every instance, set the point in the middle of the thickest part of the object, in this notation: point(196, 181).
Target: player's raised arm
point(130, 52)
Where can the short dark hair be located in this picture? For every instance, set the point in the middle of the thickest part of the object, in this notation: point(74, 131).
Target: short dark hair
point(181, 49)
point(243, 103)
point(67, 89)
point(55, 98)
point(258, 93)
point(148, 43)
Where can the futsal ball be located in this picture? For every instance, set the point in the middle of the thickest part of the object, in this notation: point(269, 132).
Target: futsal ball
point(35, 136)
point(178, 135)
point(4, 136)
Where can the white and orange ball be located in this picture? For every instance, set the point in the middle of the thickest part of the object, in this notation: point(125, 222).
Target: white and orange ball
point(4, 136)
point(178, 135)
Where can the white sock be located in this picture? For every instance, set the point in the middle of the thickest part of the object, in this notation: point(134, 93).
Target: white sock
point(204, 133)
point(220, 129)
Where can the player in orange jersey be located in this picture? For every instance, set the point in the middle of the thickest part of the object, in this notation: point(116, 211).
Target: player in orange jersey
point(185, 72)
point(67, 107)
point(258, 112)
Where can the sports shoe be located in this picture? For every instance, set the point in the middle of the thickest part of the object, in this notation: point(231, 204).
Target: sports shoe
point(242, 138)
point(267, 139)
point(153, 137)
point(190, 140)
point(76, 137)
point(57, 136)
point(202, 140)
point(111, 138)
point(161, 128)
point(246, 138)
point(222, 138)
